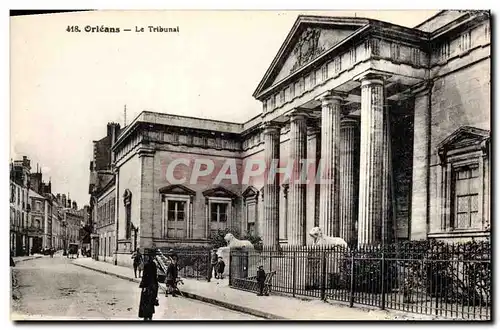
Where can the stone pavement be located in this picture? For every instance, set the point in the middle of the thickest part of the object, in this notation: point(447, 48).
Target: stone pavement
point(271, 307)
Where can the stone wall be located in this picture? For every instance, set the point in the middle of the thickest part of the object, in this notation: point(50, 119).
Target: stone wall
point(459, 98)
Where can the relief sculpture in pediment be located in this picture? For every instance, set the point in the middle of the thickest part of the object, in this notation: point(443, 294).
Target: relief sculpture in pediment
point(307, 48)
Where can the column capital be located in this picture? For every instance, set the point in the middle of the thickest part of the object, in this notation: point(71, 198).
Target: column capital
point(271, 127)
point(330, 96)
point(370, 77)
point(297, 114)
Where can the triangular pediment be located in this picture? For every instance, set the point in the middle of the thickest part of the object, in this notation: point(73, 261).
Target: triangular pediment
point(250, 192)
point(177, 189)
point(219, 192)
point(465, 136)
point(309, 38)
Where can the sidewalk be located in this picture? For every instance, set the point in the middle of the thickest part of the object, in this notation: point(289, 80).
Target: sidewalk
point(219, 293)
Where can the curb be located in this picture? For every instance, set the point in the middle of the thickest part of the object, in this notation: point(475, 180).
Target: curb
point(195, 296)
point(27, 259)
point(234, 307)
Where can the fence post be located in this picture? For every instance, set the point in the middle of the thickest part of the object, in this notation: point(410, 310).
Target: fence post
point(209, 265)
point(323, 274)
point(383, 279)
point(230, 265)
point(351, 289)
point(271, 260)
point(294, 263)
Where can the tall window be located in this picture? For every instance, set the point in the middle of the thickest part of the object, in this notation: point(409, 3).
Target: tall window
point(464, 176)
point(466, 194)
point(12, 193)
point(218, 216)
point(176, 219)
point(251, 216)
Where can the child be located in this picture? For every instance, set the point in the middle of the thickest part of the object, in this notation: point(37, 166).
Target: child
point(220, 268)
point(261, 278)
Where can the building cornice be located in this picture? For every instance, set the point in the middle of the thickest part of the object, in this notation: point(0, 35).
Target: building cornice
point(466, 21)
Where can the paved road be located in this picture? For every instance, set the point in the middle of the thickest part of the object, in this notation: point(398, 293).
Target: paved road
point(49, 288)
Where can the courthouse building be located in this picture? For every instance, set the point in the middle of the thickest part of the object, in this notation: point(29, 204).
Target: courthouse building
point(400, 118)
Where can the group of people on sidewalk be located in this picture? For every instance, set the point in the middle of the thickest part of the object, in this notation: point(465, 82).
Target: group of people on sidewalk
point(149, 284)
point(145, 263)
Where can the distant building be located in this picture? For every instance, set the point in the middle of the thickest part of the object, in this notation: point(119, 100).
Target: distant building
point(19, 206)
point(103, 197)
point(37, 234)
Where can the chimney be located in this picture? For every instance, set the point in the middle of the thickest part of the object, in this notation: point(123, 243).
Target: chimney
point(69, 203)
point(110, 131)
point(63, 200)
point(75, 206)
point(115, 130)
point(36, 182)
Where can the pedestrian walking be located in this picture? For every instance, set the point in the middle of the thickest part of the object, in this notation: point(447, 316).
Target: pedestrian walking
point(149, 286)
point(138, 262)
point(261, 278)
point(213, 265)
point(171, 276)
point(220, 268)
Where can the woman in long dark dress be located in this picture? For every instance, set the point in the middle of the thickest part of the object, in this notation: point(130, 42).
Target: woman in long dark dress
point(149, 286)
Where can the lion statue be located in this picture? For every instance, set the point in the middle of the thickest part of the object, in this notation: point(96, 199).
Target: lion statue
point(233, 242)
point(320, 239)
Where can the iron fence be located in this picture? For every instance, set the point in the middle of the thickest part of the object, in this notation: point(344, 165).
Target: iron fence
point(192, 262)
point(426, 277)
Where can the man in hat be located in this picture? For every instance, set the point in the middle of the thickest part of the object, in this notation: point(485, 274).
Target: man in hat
point(138, 262)
point(261, 278)
point(214, 259)
point(149, 286)
point(171, 276)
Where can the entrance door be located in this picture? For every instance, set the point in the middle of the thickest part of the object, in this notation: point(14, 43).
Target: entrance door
point(176, 219)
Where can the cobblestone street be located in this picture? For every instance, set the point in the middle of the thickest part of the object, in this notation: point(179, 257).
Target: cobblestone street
point(56, 289)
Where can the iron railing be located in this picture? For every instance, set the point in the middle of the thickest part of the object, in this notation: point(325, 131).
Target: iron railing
point(192, 262)
point(427, 277)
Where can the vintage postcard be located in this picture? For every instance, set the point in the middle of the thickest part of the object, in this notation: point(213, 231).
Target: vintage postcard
point(250, 165)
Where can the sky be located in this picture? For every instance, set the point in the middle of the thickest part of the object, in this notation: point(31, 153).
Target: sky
point(66, 86)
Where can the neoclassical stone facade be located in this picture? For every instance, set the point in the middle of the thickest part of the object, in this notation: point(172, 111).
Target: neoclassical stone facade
point(396, 118)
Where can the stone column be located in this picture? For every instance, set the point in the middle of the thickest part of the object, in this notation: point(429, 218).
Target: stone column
point(329, 164)
point(387, 208)
point(421, 162)
point(270, 229)
point(297, 191)
point(370, 211)
point(348, 180)
point(317, 185)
